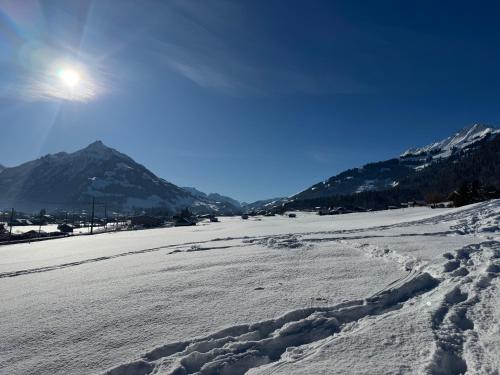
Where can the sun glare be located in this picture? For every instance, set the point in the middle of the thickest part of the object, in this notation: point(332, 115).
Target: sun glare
point(72, 81)
point(69, 77)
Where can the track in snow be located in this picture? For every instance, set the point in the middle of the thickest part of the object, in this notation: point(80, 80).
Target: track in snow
point(237, 349)
point(470, 224)
point(468, 275)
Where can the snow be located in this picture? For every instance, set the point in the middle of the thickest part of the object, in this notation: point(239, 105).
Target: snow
point(48, 228)
point(367, 185)
point(122, 165)
point(402, 291)
point(460, 140)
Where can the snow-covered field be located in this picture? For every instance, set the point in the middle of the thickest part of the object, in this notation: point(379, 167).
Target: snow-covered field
point(393, 292)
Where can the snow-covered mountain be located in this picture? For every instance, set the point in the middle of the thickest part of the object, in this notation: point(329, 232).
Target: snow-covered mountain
point(229, 204)
point(213, 197)
point(1, 168)
point(388, 174)
point(71, 180)
point(219, 203)
point(459, 141)
point(264, 204)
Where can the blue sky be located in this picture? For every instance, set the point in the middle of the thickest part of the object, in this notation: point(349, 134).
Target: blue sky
point(253, 99)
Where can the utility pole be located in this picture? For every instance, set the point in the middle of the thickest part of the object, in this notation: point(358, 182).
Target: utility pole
point(105, 217)
point(92, 217)
point(11, 222)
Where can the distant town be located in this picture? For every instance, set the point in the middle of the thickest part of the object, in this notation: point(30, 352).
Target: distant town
point(16, 227)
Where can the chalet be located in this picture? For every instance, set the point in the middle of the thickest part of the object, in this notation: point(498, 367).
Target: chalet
point(49, 219)
point(30, 234)
point(146, 221)
point(21, 222)
point(417, 203)
point(183, 222)
point(442, 205)
point(343, 210)
point(38, 221)
point(100, 222)
point(206, 216)
point(65, 228)
point(324, 211)
point(210, 217)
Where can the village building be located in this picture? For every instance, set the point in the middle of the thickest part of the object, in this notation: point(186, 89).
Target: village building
point(65, 228)
point(183, 221)
point(146, 221)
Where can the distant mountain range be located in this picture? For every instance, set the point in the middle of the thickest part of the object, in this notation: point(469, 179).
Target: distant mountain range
point(71, 180)
point(221, 202)
point(440, 167)
point(265, 204)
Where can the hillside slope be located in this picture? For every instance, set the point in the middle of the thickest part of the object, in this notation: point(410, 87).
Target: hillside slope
point(72, 180)
point(388, 174)
point(472, 154)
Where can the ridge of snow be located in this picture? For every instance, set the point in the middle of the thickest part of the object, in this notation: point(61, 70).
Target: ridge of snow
point(460, 140)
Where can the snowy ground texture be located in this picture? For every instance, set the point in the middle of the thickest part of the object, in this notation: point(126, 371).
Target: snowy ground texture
point(393, 292)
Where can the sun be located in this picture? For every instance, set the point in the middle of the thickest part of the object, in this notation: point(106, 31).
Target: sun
point(69, 77)
point(71, 81)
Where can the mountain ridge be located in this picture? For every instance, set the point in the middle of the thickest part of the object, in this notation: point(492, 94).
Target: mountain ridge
point(71, 180)
point(460, 139)
point(387, 174)
point(213, 196)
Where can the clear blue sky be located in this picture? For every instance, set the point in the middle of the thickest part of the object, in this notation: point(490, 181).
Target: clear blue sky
point(252, 99)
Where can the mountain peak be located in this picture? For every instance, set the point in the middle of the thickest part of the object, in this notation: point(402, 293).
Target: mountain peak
point(406, 171)
point(459, 140)
point(477, 127)
point(99, 150)
point(97, 145)
point(215, 197)
point(473, 130)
